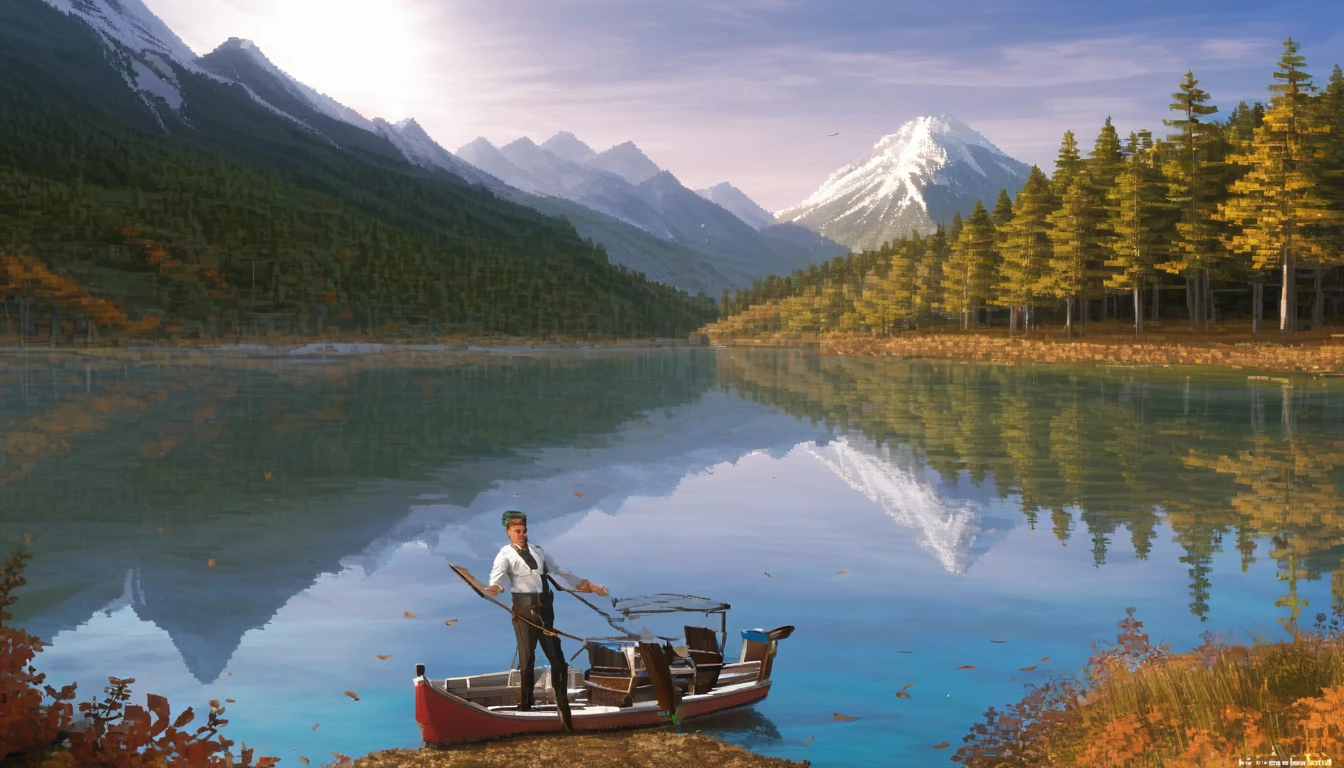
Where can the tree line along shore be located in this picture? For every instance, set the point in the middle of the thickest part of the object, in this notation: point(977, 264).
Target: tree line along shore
point(1234, 220)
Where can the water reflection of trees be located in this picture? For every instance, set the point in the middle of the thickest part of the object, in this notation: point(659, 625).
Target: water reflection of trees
point(1104, 449)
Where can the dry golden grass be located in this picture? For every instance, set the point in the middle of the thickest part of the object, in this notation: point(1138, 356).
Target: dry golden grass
point(623, 749)
point(1320, 353)
point(1145, 708)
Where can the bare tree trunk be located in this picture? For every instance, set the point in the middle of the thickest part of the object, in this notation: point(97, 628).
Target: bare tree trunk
point(1138, 310)
point(1012, 320)
point(1191, 301)
point(1257, 304)
point(1068, 317)
point(1288, 295)
point(1157, 298)
point(1318, 305)
point(1210, 311)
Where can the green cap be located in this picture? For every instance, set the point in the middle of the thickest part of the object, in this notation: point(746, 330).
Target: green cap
point(513, 516)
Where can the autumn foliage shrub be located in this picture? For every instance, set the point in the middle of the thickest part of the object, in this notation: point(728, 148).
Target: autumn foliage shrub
point(39, 726)
point(1138, 705)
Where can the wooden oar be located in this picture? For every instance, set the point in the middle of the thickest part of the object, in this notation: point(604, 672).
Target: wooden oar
point(479, 589)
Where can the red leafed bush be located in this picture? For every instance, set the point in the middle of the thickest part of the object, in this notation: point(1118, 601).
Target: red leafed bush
point(39, 727)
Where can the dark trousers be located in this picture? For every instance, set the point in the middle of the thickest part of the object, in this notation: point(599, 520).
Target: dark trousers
point(541, 611)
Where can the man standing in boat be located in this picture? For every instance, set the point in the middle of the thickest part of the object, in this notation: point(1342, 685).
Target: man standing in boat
point(526, 568)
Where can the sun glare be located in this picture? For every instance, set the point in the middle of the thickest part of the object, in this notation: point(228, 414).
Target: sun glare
point(364, 54)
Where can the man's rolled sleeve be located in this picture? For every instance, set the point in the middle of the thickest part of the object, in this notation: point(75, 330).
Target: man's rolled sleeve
point(499, 572)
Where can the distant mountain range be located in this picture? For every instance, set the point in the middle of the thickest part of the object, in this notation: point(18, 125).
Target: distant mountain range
point(695, 244)
point(913, 179)
point(717, 245)
point(697, 240)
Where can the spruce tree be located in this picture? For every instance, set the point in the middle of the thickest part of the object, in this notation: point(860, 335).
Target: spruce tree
point(1075, 238)
point(1194, 189)
point(1278, 207)
point(1135, 212)
point(1025, 248)
point(1003, 209)
point(969, 272)
point(1067, 162)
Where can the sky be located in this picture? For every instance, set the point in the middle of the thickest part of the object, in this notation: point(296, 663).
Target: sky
point(749, 91)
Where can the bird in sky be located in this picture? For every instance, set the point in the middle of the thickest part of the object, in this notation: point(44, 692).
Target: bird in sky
point(837, 133)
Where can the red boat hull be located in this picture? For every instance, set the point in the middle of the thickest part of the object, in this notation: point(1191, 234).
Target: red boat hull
point(447, 719)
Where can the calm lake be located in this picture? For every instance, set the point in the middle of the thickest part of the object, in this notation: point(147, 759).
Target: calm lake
point(900, 514)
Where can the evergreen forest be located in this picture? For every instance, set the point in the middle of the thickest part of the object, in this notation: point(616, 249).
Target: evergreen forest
point(226, 220)
point(1232, 219)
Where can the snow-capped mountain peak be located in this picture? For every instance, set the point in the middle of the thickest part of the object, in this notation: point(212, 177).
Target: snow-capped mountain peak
point(310, 96)
point(914, 178)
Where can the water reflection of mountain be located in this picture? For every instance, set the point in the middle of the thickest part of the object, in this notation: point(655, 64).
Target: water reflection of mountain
point(275, 474)
point(1223, 458)
point(949, 525)
point(280, 478)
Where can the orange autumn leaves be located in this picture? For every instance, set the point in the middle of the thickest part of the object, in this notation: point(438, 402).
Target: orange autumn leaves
point(31, 278)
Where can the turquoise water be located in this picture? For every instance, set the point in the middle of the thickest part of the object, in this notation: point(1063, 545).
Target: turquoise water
point(963, 503)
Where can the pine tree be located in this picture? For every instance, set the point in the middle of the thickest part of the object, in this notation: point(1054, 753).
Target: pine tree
point(1075, 238)
point(1278, 207)
point(1067, 162)
point(1103, 164)
point(1136, 210)
point(1193, 187)
point(1003, 209)
point(968, 274)
point(1025, 248)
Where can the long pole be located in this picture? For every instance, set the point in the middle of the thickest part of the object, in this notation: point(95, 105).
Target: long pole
point(475, 586)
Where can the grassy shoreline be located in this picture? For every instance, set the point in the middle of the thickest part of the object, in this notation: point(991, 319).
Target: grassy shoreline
point(1321, 352)
point(1137, 705)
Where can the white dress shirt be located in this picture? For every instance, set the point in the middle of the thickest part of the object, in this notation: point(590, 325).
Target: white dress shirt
point(509, 566)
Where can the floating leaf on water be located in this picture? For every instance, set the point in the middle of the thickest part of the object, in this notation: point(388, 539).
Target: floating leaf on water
point(966, 666)
point(315, 726)
point(1012, 679)
point(159, 530)
point(230, 701)
point(303, 759)
point(902, 695)
point(214, 703)
point(408, 614)
point(352, 695)
point(907, 685)
point(837, 573)
point(27, 538)
point(210, 563)
point(944, 745)
point(1028, 669)
point(1045, 658)
point(905, 651)
point(843, 718)
point(579, 495)
point(266, 473)
point(998, 641)
point(768, 576)
point(450, 622)
point(729, 432)
point(384, 657)
point(230, 674)
point(808, 743)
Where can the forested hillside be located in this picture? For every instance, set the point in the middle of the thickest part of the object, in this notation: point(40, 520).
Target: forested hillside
point(231, 219)
point(1206, 218)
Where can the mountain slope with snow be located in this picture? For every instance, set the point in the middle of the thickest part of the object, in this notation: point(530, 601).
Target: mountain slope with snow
point(915, 178)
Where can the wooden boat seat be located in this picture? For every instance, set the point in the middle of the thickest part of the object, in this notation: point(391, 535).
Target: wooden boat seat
point(702, 647)
point(612, 682)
